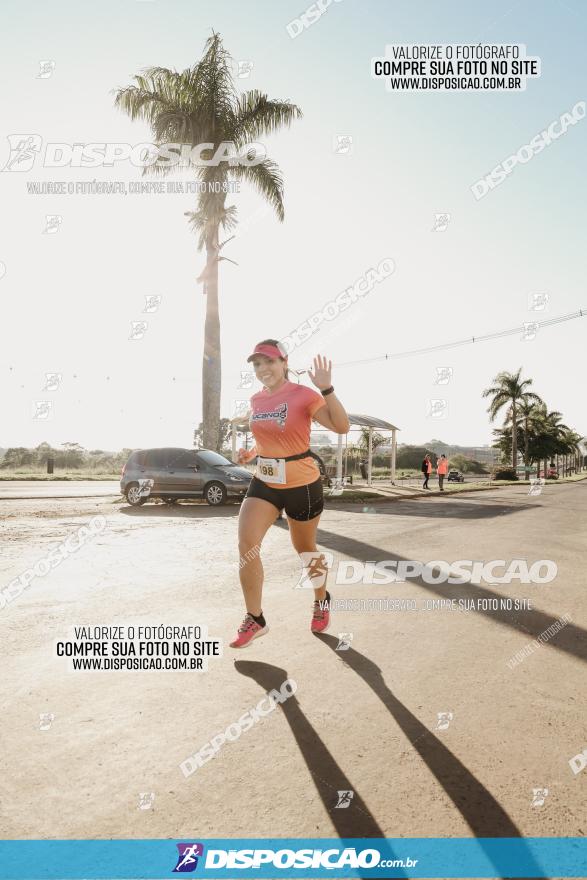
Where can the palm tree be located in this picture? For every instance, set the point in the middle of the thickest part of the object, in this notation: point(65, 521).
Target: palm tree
point(550, 430)
point(529, 415)
point(510, 391)
point(570, 440)
point(200, 106)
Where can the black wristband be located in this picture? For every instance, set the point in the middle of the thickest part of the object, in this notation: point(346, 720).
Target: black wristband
point(328, 391)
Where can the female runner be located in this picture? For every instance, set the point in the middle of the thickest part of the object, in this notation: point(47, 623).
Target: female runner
point(287, 477)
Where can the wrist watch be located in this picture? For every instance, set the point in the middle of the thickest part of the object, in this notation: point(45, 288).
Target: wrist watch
point(328, 391)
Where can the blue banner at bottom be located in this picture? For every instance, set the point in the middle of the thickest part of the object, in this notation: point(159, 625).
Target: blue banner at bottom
point(290, 857)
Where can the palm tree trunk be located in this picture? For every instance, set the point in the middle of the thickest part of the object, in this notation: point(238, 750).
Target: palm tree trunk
point(514, 436)
point(211, 368)
point(526, 465)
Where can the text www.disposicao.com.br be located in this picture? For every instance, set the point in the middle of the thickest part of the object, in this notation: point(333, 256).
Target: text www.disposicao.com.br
point(103, 663)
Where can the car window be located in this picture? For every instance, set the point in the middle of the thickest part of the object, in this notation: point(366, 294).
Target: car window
point(187, 458)
point(137, 459)
point(208, 457)
point(156, 458)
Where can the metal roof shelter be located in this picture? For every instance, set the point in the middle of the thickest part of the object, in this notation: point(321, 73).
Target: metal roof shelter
point(358, 421)
point(370, 422)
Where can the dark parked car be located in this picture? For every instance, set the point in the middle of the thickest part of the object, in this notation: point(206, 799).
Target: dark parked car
point(455, 476)
point(171, 474)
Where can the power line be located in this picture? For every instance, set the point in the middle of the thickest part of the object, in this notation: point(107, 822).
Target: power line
point(468, 341)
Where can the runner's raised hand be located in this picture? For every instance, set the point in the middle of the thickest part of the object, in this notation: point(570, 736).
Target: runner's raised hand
point(321, 377)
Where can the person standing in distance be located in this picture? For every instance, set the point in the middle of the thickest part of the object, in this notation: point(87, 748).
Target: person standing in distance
point(287, 476)
point(426, 470)
point(442, 470)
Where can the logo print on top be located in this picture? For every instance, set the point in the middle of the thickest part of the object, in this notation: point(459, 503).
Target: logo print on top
point(279, 415)
point(187, 859)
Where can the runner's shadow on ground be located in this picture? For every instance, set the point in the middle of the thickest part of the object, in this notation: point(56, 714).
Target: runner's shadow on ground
point(571, 639)
point(476, 804)
point(356, 820)
point(480, 810)
point(483, 814)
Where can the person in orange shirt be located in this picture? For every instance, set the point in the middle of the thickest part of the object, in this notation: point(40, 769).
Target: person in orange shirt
point(442, 470)
point(287, 476)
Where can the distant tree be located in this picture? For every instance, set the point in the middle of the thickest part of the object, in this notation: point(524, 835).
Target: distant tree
point(376, 440)
point(467, 465)
point(529, 419)
point(410, 457)
point(74, 455)
point(42, 452)
point(326, 451)
point(224, 436)
point(510, 391)
point(17, 456)
point(503, 442)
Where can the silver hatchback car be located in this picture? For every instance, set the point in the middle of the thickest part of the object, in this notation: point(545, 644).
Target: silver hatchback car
point(171, 474)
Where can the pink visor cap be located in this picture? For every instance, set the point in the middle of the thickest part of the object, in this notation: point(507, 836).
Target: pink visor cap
point(271, 351)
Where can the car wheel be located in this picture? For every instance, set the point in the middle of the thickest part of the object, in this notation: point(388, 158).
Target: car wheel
point(133, 496)
point(215, 493)
point(169, 500)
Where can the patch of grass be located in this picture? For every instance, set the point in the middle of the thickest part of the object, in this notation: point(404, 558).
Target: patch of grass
point(452, 489)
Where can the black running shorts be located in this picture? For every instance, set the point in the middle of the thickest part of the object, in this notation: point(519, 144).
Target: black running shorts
point(301, 502)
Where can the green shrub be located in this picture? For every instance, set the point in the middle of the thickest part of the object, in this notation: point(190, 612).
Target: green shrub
point(505, 474)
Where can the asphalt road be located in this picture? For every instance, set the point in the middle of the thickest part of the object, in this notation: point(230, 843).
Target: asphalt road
point(422, 718)
point(23, 489)
point(57, 488)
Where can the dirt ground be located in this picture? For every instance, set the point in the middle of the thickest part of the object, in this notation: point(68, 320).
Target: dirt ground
point(364, 720)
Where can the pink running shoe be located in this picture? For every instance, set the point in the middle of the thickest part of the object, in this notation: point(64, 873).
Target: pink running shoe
point(247, 631)
point(321, 615)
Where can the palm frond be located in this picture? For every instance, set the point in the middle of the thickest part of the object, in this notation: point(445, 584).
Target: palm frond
point(199, 105)
point(268, 180)
point(257, 115)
